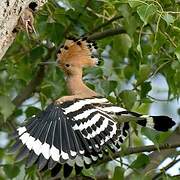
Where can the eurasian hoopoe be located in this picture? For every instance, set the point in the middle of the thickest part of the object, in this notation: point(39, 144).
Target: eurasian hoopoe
point(76, 130)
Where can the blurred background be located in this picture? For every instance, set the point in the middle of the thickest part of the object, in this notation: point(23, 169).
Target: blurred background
point(139, 45)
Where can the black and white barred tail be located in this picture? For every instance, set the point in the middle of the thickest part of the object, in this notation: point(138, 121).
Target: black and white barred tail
point(159, 123)
point(76, 133)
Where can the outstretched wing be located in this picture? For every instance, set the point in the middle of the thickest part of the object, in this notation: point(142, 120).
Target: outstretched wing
point(50, 134)
point(71, 133)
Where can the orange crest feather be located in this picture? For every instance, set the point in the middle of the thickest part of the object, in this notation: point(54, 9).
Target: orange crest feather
point(78, 52)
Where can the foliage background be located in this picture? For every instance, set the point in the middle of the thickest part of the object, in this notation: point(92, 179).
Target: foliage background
point(138, 41)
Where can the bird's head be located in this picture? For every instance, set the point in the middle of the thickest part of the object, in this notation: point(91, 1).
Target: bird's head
point(74, 55)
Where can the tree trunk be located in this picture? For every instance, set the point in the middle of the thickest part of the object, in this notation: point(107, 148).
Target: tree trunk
point(10, 11)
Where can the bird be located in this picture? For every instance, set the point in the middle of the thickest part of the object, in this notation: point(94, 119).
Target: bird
point(26, 22)
point(77, 130)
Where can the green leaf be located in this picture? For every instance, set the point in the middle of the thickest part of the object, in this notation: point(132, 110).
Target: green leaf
point(168, 18)
point(143, 74)
point(89, 172)
point(18, 112)
point(125, 43)
point(151, 134)
point(31, 173)
point(162, 137)
point(155, 136)
point(177, 79)
point(66, 5)
point(53, 30)
point(108, 86)
point(177, 52)
point(121, 46)
point(145, 88)
point(118, 173)
point(141, 161)
point(143, 108)
point(36, 53)
point(22, 173)
point(30, 111)
point(145, 12)
point(6, 106)
point(178, 111)
point(128, 71)
point(2, 153)
point(11, 170)
point(129, 98)
point(24, 70)
point(134, 4)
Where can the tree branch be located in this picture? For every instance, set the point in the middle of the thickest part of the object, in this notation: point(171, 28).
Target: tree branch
point(106, 33)
point(134, 150)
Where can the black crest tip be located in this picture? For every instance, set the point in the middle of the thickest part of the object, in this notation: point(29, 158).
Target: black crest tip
point(84, 38)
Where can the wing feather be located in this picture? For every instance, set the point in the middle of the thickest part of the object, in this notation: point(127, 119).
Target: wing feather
point(70, 136)
point(64, 148)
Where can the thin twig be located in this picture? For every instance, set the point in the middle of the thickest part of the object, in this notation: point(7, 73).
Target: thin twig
point(105, 24)
point(162, 100)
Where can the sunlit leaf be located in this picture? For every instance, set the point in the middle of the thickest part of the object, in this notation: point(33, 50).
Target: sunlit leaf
point(151, 134)
point(134, 4)
point(108, 86)
point(144, 73)
point(168, 18)
point(146, 11)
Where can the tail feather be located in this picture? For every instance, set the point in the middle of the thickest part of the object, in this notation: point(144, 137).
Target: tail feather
point(159, 123)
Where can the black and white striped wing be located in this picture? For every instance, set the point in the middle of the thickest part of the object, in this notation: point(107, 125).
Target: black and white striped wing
point(95, 123)
point(71, 133)
point(49, 135)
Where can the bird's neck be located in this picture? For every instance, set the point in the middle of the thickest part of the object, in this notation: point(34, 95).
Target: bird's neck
point(76, 86)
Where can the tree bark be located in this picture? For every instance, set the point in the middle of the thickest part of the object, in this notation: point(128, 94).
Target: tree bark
point(10, 11)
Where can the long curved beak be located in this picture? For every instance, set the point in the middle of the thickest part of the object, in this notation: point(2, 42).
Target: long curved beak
point(49, 63)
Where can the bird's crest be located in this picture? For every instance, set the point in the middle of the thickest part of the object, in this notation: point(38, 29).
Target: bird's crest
point(78, 51)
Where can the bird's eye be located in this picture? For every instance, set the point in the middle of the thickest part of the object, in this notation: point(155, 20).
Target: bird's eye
point(67, 65)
